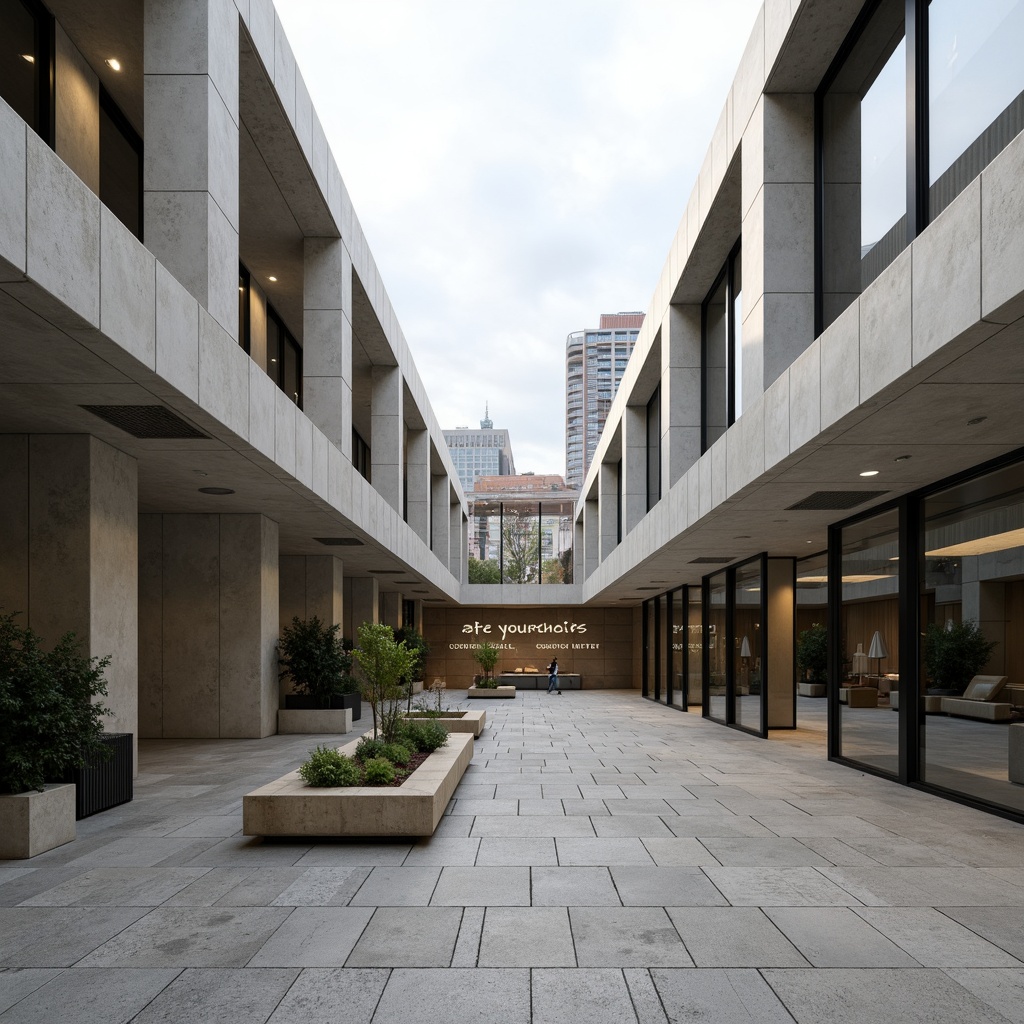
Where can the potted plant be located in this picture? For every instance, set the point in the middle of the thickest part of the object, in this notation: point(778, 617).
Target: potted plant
point(50, 723)
point(383, 662)
point(812, 657)
point(486, 656)
point(314, 657)
point(953, 654)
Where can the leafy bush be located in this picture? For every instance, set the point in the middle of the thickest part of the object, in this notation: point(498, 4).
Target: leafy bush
point(426, 737)
point(812, 653)
point(327, 767)
point(397, 753)
point(487, 655)
point(418, 647)
point(954, 653)
point(49, 719)
point(383, 663)
point(378, 771)
point(368, 747)
point(487, 684)
point(313, 656)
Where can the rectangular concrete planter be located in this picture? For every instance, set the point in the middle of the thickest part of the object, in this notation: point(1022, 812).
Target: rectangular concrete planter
point(288, 807)
point(290, 722)
point(467, 721)
point(32, 823)
point(500, 691)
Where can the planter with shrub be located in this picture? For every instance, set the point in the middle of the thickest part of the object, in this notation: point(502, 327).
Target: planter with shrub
point(325, 696)
point(51, 722)
point(953, 655)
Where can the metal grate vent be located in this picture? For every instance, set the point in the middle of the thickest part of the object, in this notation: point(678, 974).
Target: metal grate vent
point(151, 422)
point(387, 572)
point(340, 542)
point(833, 501)
point(711, 560)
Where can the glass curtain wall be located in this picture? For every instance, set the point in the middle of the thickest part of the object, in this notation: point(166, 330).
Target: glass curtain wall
point(677, 648)
point(520, 541)
point(749, 711)
point(25, 63)
point(868, 657)
point(663, 678)
point(694, 606)
point(972, 642)
point(716, 633)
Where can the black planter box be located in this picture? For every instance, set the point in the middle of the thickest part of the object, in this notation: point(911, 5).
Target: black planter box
point(101, 784)
point(302, 702)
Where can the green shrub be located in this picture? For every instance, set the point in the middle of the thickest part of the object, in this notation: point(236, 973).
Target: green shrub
point(49, 718)
point(397, 753)
point(487, 655)
point(313, 656)
point(487, 684)
point(368, 747)
point(426, 737)
point(327, 767)
point(812, 653)
point(378, 771)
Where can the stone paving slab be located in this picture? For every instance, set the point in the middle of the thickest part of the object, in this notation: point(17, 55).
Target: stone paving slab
point(596, 849)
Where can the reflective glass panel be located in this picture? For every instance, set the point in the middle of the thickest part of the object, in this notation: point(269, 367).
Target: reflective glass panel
point(19, 60)
point(717, 643)
point(484, 542)
point(663, 681)
point(811, 630)
point(677, 643)
point(972, 644)
point(520, 541)
point(748, 691)
point(870, 637)
point(716, 365)
point(695, 647)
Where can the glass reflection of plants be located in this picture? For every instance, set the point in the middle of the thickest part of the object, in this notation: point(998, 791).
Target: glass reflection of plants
point(953, 654)
point(812, 653)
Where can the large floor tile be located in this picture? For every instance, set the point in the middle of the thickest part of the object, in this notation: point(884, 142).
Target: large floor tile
point(733, 937)
point(426, 997)
point(591, 996)
point(329, 996)
point(483, 887)
point(58, 936)
point(626, 937)
point(718, 997)
point(198, 996)
point(408, 937)
point(526, 937)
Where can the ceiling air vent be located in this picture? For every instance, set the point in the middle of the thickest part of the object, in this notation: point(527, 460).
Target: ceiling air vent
point(833, 501)
point(340, 542)
point(151, 422)
point(711, 560)
point(387, 572)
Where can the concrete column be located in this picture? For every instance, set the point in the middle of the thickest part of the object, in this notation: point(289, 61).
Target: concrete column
point(634, 466)
point(190, 175)
point(680, 392)
point(779, 643)
point(327, 339)
point(391, 609)
point(778, 239)
point(311, 585)
point(209, 618)
point(387, 427)
point(608, 509)
point(361, 603)
point(440, 525)
point(591, 538)
point(417, 473)
point(458, 542)
point(68, 552)
point(578, 542)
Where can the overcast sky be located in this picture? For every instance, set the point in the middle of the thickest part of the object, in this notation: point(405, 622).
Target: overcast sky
point(518, 167)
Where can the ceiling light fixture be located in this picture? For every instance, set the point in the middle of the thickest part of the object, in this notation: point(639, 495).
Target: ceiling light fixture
point(976, 421)
point(272, 278)
point(902, 458)
point(870, 472)
point(216, 490)
point(113, 63)
point(30, 57)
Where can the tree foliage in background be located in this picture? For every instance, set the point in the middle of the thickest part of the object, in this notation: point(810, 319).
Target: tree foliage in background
point(483, 571)
point(520, 536)
point(418, 647)
point(486, 655)
point(954, 653)
point(812, 653)
point(49, 722)
point(383, 663)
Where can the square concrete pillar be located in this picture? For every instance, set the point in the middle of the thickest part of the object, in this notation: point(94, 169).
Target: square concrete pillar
point(417, 480)
point(578, 567)
point(391, 609)
point(327, 339)
point(311, 585)
point(361, 603)
point(440, 525)
point(591, 537)
point(68, 561)
point(209, 625)
point(780, 636)
point(634, 466)
point(387, 429)
point(190, 173)
point(609, 499)
point(680, 392)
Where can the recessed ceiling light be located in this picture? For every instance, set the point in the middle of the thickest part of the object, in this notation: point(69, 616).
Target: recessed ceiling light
point(215, 490)
point(870, 472)
point(113, 63)
point(902, 458)
point(30, 57)
point(742, 536)
point(272, 278)
point(976, 421)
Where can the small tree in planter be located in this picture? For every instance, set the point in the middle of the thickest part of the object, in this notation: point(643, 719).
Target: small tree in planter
point(49, 720)
point(487, 655)
point(954, 653)
point(383, 661)
point(812, 653)
point(313, 656)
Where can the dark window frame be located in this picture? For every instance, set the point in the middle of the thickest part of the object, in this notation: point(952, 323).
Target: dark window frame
point(289, 346)
point(109, 106)
point(654, 449)
point(727, 274)
point(245, 321)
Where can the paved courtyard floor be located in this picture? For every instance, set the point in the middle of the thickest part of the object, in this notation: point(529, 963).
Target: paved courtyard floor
point(605, 861)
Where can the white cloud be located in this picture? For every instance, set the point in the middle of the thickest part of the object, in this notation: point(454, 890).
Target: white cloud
point(519, 167)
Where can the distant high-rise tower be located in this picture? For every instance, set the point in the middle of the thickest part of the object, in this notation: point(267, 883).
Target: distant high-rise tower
point(595, 360)
point(483, 452)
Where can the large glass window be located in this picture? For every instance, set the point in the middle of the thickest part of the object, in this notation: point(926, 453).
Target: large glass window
point(869, 637)
point(716, 646)
point(694, 647)
point(722, 384)
point(747, 660)
point(975, 85)
point(284, 357)
point(654, 449)
point(120, 165)
point(972, 643)
point(864, 164)
point(25, 62)
point(244, 310)
point(677, 648)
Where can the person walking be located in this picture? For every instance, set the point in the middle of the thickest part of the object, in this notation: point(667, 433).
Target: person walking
point(553, 677)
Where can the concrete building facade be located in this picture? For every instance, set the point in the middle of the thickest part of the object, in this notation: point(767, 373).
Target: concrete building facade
point(595, 360)
point(477, 453)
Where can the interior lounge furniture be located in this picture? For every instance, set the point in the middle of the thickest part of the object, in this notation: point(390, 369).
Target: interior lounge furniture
point(859, 696)
point(979, 701)
point(932, 704)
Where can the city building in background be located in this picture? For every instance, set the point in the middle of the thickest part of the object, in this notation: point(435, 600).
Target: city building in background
point(483, 452)
point(595, 360)
point(520, 529)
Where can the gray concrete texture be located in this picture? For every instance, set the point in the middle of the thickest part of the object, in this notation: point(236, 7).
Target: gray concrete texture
point(604, 859)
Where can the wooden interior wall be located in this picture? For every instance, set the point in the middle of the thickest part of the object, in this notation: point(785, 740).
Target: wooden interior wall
point(859, 622)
